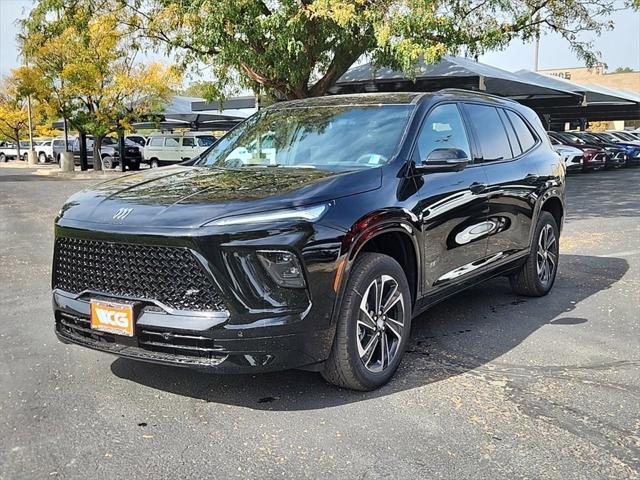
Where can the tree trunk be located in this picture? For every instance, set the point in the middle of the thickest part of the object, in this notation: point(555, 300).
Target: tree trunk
point(97, 156)
point(82, 137)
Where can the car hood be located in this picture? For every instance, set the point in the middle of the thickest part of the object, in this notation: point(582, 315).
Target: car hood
point(189, 197)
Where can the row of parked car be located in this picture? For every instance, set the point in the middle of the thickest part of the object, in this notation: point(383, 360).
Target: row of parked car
point(588, 151)
point(581, 151)
point(156, 150)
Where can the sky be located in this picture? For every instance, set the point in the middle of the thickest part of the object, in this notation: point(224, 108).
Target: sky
point(619, 47)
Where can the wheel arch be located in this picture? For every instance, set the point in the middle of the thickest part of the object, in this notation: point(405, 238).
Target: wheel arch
point(393, 236)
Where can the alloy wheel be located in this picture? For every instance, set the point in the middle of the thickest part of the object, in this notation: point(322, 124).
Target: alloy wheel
point(547, 255)
point(381, 320)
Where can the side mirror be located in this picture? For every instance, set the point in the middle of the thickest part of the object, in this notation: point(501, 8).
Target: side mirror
point(444, 160)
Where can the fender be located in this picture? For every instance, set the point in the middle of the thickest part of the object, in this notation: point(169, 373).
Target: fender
point(555, 189)
point(367, 228)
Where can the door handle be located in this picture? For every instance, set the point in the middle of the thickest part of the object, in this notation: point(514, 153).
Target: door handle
point(477, 187)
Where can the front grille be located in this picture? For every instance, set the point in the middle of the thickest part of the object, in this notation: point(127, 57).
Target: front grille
point(151, 344)
point(171, 275)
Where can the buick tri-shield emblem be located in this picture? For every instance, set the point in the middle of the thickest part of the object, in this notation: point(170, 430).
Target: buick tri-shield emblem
point(122, 213)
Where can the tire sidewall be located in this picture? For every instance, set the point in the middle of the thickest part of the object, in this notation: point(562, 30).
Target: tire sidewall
point(545, 219)
point(357, 285)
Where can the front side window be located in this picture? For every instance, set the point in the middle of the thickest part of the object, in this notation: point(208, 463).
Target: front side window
point(490, 132)
point(326, 137)
point(443, 128)
point(156, 142)
point(58, 143)
point(188, 142)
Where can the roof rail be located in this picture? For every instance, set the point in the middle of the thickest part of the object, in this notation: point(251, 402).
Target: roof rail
point(476, 92)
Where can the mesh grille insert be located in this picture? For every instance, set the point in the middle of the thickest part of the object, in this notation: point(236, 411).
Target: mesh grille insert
point(170, 275)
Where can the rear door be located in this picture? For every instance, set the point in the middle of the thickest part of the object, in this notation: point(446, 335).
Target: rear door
point(172, 150)
point(453, 205)
point(507, 148)
point(189, 149)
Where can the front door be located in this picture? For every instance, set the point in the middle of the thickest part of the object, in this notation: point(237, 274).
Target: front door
point(453, 207)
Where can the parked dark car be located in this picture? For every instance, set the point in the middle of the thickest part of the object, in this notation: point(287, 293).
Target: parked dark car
point(616, 155)
point(371, 209)
point(110, 152)
point(631, 150)
point(594, 157)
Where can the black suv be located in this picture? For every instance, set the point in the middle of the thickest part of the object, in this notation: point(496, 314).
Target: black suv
point(314, 249)
point(110, 152)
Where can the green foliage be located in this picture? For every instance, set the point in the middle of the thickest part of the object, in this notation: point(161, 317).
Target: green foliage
point(82, 65)
point(299, 48)
point(624, 70)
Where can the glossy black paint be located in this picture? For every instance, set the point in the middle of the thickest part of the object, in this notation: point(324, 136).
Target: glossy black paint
point(449, 230)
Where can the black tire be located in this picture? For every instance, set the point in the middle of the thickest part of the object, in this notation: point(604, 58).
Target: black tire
point(345, 366)
point(528, 281)
point(42, 157)
point(25, 157)
point(154, 163)
point(134, 166)
point(3, 158)
point(107, 162)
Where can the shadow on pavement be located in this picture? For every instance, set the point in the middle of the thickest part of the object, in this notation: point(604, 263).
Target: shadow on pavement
point(460, 334)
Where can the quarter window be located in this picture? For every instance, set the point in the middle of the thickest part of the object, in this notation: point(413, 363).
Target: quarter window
point(490, 132)
point(156, 142)
point(443, 128)
point(527, 140)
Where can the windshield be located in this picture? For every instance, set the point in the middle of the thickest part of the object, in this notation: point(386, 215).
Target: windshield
point(571, 138)
point(590, 138)
point(331, 138)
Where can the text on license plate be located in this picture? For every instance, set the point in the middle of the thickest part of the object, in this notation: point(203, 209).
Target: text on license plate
point(112, 318)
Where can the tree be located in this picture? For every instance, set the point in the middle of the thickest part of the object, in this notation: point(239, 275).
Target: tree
point(300, 48)
point(14, 117)
point(624, 70)
point(83, 65)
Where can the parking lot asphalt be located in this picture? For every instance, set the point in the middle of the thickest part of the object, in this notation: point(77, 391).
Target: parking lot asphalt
point(492, 386)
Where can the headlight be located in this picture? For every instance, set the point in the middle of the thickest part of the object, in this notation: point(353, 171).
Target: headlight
point(283, 267)
point(305, 213)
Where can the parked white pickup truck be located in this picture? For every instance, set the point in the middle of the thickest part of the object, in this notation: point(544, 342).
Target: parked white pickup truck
point(9, 151)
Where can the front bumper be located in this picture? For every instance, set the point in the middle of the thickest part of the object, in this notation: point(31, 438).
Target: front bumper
point(161, 338)
point(250, 335)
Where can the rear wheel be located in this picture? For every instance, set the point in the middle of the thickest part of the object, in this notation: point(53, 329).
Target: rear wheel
point(537, 275)
point(373, 326)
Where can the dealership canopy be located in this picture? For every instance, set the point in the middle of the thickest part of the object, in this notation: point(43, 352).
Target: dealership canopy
point(180, 113)
point(455, 72)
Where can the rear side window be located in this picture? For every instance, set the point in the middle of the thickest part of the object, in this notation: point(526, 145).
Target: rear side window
point(156, 142)
point(511, 133)
point(171, 142)
point(490, 132)
point(527, 140)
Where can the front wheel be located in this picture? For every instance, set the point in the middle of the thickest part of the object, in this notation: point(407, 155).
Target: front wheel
point(537, 275)
point(154, 163)
point(374, 324)
point(42, 158)
point(3, 157)
point(25, 157)
point(107, 162)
